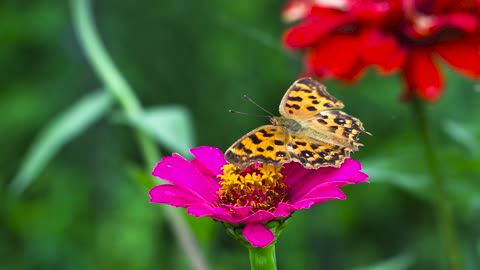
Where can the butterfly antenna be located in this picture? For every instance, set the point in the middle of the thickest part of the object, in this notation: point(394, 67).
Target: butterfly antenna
point(254, 103)
point(256, 115)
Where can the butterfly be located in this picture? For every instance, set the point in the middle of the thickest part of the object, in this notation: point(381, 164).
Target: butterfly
point(311, 131)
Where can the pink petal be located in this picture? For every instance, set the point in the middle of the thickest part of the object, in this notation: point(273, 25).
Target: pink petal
point(179, 171)
point(352, 163)
point(284, 210)
point(210, 157)
point(258, 235)
point(294, 172)
point(174, 195)
point(206, 210)
point(239, 212)
point(319, 195)
point(260, 216)
point(324, 176)
point(295, 10)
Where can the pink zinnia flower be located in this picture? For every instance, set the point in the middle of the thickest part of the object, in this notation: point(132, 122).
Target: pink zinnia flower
point(208, 186)
point(343, 38)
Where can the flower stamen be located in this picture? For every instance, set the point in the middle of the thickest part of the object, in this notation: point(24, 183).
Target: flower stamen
point(259, 186)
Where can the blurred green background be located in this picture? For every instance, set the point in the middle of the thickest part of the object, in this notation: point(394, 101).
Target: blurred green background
point(87, 210)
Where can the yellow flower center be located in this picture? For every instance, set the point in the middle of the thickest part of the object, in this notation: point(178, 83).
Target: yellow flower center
point(258, 186)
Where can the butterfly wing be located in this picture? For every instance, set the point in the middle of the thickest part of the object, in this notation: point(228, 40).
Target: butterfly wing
point(266, 144)
point(313, 154)
point(305, 98)
point(335, 127)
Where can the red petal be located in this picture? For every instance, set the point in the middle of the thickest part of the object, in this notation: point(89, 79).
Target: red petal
point(463, 21)
point(384, 51)
point(338, 56)
point(422, 75)
point(311, 31)
point(463, 54)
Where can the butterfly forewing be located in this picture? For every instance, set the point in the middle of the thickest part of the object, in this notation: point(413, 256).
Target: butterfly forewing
point(305, 98)
point(266, 144)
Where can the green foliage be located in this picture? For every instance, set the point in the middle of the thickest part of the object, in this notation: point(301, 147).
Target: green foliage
point(171, 126)
point(61, 130)
point(86, 211)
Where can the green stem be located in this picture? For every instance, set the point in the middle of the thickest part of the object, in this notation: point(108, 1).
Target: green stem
point(263, 258)
point(121, 90)
point(443, 209)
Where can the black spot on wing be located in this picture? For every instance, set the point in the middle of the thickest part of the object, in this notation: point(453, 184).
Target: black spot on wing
point(254, 138)
point(295, 106)
point(321, 121)
point(311, 108)
point(301, 143)
point(294, 98)
point(306, 154)
point(333, 128)
point(278, 142)
point(339, 121)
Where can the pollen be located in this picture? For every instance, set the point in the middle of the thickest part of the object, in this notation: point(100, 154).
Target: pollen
point(259, 186)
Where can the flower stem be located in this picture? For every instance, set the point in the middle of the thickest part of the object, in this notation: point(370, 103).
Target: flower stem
point(125, 96)
point(443, 209)
point(263, 258)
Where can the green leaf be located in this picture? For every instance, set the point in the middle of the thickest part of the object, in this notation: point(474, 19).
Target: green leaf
point(170, 125)
point(416, 183)
point(462, 136)
point(57, 133)
point(400, 262)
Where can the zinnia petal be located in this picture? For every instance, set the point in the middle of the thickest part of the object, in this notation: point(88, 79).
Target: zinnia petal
point(464, 55)
point(319, 195)
point(314, 29)
point(325, 176)
point(325, 59)
point(210, 157)
point(422, 75)
point(258, 235)
point(174, 195)
point(179, 171)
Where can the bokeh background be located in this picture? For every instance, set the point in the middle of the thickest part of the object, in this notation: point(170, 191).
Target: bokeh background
point(87, 208)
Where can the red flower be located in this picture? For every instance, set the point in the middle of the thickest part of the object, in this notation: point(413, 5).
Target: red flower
point(344, 37)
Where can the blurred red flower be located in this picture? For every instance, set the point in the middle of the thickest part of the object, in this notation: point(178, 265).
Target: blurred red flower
point(343, 37)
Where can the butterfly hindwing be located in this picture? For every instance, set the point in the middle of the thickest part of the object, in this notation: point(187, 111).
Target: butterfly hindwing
point(313, 154)
point(340, 127)
point(266, 144)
